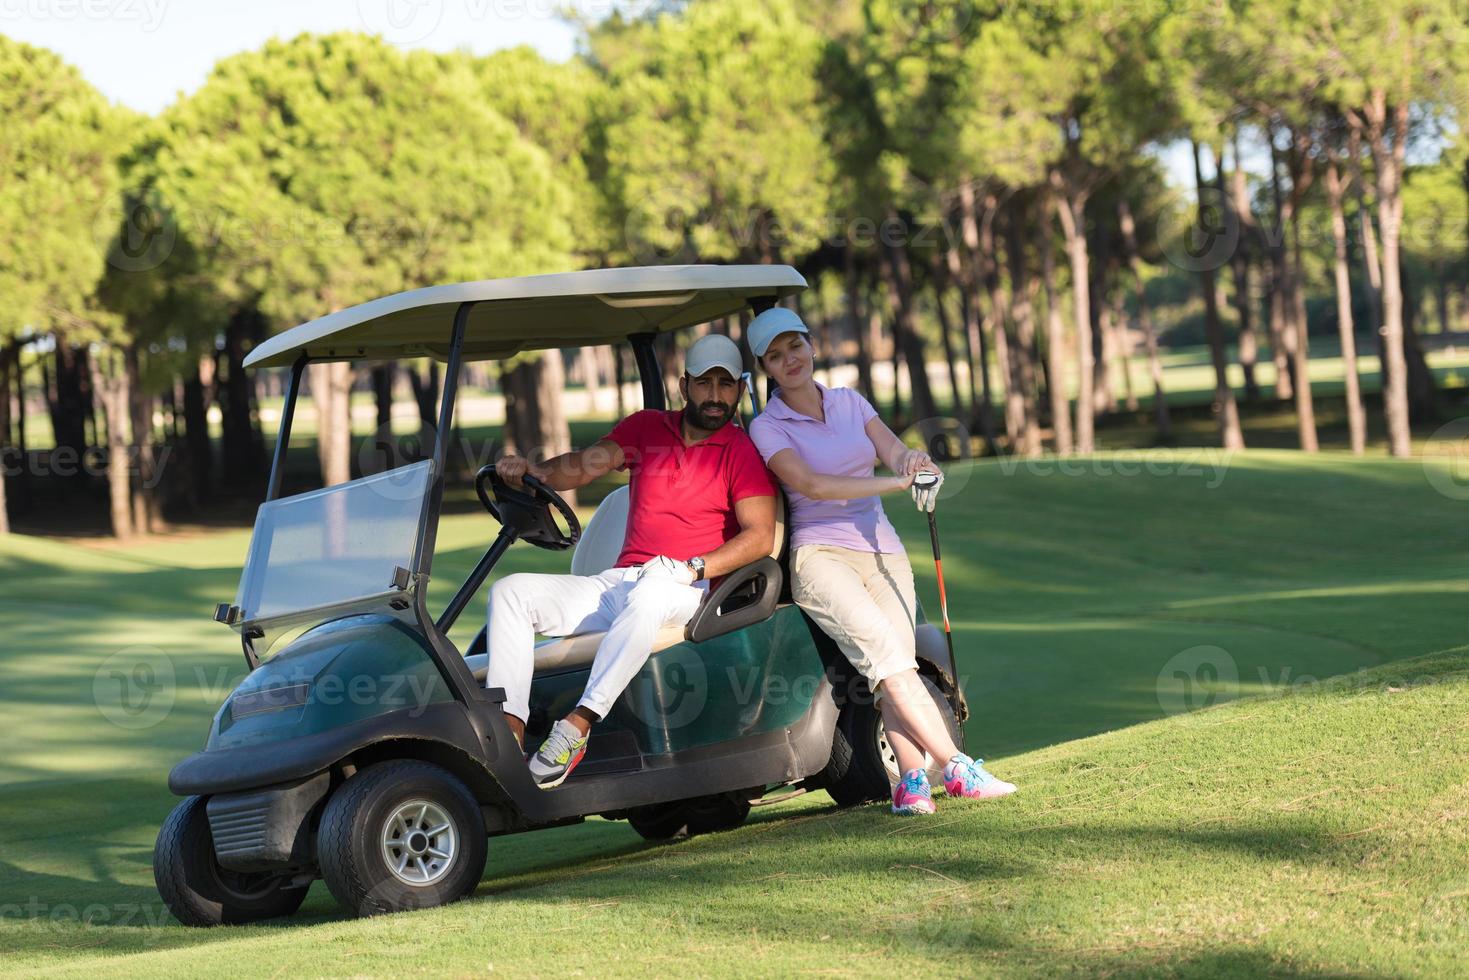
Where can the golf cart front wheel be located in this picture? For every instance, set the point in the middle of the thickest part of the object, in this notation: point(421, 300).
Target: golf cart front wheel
point(401, 835)
point(201, 893)
point(688, 818)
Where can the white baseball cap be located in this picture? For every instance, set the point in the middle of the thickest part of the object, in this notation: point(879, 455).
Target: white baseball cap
point(713, 350)
point(771, 324)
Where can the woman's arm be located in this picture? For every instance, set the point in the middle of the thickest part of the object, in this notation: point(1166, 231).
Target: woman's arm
point(792, 471)
point(893, 454)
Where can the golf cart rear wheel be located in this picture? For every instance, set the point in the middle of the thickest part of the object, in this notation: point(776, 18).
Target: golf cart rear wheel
point(201, 893)
point(863, 766)
point(401, 835)
point(687, 818)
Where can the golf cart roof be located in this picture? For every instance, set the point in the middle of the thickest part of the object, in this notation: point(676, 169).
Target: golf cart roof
point(565, 309)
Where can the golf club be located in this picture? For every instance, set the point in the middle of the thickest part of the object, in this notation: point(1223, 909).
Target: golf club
point(927, 480)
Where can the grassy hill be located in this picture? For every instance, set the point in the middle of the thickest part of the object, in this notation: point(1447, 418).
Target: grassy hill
point(1233, 691)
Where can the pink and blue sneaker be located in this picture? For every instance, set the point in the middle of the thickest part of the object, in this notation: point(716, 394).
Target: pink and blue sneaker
point(964, 776)
point(912, 796)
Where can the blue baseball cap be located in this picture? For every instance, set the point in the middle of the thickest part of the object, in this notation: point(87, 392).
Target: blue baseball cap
point(771, 324)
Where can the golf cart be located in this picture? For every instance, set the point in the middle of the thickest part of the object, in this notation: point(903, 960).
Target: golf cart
point(362, 747)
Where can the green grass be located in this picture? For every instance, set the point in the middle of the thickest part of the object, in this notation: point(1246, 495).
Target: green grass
point(1296, 825)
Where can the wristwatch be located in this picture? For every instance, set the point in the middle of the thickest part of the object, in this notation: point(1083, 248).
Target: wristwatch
point(696, 565)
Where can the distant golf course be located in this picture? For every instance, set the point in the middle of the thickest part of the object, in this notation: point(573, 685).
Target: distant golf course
point(1231, 690)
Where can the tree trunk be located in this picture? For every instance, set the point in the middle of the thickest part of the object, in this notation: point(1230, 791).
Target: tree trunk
point(940, 288)
point(976, 351)
point(382, 389)
point(8, 354)
point(1421, 386)
point(855, 316)
point(234, 394)
point(1224, 405)
point(331, 388)
point(1301, 174)
point(586, 359)
point(140, 406)
point(1145, 319)
point(66, 398)
point(1238, 201)
point(110, 382)
point(899, 275)
point(976, 324)
point(1104, 399)
point(196, 438)
point(1388, 163)
point(617, 379)
point(426, 394)
point(535, 417)
point(1000, 315)
point(1282, 339)
point(1072, 210)
point(1122, 348)
point(1356, 417)
point(1056, 386)
point(1022, 358)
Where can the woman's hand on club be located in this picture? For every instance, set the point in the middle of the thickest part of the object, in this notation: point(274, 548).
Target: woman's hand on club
point(926, 491)
point(915, 461)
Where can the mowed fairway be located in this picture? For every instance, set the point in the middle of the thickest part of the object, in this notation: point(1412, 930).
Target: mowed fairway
point(1234, 692)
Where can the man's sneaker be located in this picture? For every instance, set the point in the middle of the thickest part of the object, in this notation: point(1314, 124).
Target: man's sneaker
point(913, 795)
point(964, 776)
point(558, 755)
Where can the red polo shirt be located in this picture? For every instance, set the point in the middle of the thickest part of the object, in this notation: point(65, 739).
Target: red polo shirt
point(683, 497)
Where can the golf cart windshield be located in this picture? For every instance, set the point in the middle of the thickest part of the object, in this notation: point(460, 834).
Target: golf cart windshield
point(332, 547)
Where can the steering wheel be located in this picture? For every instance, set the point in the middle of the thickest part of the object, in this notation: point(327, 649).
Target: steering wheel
point(527, 510)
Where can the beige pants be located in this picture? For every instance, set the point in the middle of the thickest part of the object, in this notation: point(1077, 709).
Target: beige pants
point(863, 601)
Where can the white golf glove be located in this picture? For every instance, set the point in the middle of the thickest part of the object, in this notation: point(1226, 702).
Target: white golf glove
point(925, 489)
point(665, 567)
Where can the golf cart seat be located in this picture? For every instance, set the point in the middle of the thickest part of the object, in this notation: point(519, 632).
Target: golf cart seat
point(755, 590)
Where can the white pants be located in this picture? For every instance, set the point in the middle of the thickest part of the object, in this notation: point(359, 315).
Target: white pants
point(631, 611)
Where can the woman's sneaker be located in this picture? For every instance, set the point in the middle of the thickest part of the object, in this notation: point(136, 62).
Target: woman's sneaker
point(913, 795)
point(964, 776)
point(558, 755)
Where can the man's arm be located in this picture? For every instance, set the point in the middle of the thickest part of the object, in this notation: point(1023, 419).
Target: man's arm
point(569, 471)
point(755, 540)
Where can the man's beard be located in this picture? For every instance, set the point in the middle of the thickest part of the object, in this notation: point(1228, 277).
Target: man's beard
point(696, 418)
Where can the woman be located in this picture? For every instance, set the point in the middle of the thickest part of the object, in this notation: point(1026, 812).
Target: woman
point(849, 571)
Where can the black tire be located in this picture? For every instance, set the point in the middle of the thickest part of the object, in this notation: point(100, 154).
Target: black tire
point(359, 816)
point(198, 891)
point(861, 769)
point(688, 818)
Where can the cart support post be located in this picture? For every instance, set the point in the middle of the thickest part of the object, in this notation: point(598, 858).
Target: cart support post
point(648, 372)
point(429, 525)
point(283, 437)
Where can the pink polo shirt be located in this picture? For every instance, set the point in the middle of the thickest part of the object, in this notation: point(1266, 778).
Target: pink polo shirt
point(683, 497)
point(837, 447)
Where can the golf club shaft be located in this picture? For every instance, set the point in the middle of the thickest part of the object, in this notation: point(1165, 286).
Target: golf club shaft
point(938, 567)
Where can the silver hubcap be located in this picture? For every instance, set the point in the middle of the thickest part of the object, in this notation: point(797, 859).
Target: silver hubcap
point(886, 753)
point(419, 842)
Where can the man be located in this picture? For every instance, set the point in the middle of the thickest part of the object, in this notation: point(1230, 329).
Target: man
point(702, 505)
